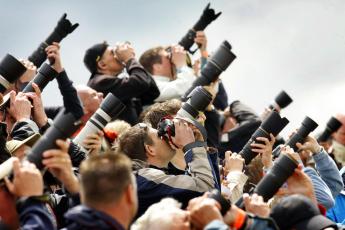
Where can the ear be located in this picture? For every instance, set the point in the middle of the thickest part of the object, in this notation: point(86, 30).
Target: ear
point(131, 194)
point(156, 68)
point(101, 65)
point(149, 150)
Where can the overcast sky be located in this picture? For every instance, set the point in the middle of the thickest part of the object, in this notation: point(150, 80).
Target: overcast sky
point(295, 45)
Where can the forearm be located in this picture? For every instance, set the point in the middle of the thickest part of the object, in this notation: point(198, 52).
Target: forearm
point(329, 172)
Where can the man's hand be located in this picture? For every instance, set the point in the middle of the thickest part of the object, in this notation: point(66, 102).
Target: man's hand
point(59, 164)
point(39, 115)
point(255, 204)
point(124, 52)
point(310, 144)
point(203, 210)
point(30, 71)
point(233, 162)
point(183, 134)
point(53, 54)
point(201, 40)
point(20, 106)
point(178, 56)
point(264, 149)
point(93, 142)
point(27, 180)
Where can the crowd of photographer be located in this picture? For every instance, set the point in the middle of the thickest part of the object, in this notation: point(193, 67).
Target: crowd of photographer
point(154, 144)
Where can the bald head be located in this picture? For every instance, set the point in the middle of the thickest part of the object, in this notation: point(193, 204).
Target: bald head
point(90, 98)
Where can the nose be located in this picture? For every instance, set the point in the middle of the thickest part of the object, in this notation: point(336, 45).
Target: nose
point(100, 95)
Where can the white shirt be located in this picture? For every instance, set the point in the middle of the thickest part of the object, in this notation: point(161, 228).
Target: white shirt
point(175, 88)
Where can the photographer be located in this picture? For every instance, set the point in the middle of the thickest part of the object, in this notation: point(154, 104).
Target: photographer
point(142, 144)
point(338, 143)
point(115, 70)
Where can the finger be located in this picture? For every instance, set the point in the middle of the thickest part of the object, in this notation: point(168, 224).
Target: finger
point(16, 166)
point(258, 150)
point(9, 185)
point(255, 145)
point(52, 153)
point(264, 139)
point(36, 89)
point(273, 139)
point(12, 96)
point(246, 200)
point(63, 145)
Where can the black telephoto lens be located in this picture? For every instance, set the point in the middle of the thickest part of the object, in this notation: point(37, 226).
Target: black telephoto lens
point(272, 124)
point(308, 126)
point(10, 70)
point(282, 100)
point(216, 64)
point(224, 203)
point(65, 124)
point(283, 168)
point(62, 29)
point(44, 75)
point(332, 126)
point(205, 19)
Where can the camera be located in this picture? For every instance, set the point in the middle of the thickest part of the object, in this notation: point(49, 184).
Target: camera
point(62, 29)
point(10, 70)
point(109, 109)
point(198, 100)
point(272, 124)
point(216, 64)
point(205, 19)
point(284, 166)
point(44, 75)
point(308, 126)
point(332, 126)
point(225, 204)
point(281, 101)
point(282, 169)
point(65, 124)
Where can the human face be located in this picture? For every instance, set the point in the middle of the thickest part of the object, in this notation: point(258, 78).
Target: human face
point(91, 99)
point(339, 136)
point(165, 67)
point(109, 64)
point(160, 147)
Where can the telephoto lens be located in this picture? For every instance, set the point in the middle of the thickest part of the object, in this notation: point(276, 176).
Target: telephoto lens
point(272, 124)
point(282, 169)
point(308, 126)
point(44, 75)
point(205, 19)
point(216, 64)
point(225, 204)
point(10, 70)
point(109, 109)
point(281, 101)
point(332, 126)
point(64, 125)
point(284, 166)
point(62, 29)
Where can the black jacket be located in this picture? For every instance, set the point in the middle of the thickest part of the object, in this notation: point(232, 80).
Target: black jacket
point(138, 85)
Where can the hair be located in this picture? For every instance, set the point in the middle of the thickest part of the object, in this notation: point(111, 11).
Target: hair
point(159, 110)
point(157, 216)
point(104, 178)
point(132, 142)
point(151, 57)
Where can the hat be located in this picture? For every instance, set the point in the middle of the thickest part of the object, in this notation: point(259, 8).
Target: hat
point(93, 55)
point(13, 145)
point(298, 212)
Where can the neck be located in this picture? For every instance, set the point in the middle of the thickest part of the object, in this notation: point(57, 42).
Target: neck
point(158, 163)
point(178, 161)
point(118, 211)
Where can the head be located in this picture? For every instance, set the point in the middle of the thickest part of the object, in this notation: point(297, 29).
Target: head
point(113, 130)
point(159, 110)
point(100, 58)
point(107, 182)
point(301, 212)
point(157, 62)
point(142, 142)
point(339, 136)
point(167, 214)
point(90, 98)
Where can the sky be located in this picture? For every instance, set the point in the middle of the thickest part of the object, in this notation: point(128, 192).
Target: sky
point(296, 45)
